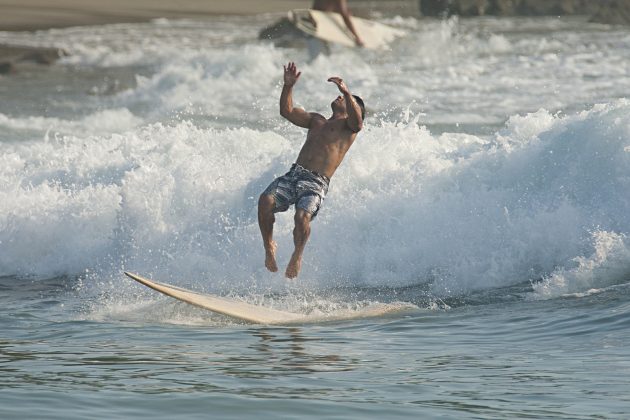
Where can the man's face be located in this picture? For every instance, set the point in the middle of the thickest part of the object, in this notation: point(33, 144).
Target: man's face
point(339, 104)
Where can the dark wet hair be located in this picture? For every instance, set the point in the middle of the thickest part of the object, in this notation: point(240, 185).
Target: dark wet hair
point(361, 105)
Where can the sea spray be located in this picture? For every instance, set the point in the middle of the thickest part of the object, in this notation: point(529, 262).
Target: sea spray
point(162, 175)
point(609, 265)
point(406, 207)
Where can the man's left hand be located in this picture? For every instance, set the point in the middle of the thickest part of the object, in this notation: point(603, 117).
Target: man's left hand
point(340, 84)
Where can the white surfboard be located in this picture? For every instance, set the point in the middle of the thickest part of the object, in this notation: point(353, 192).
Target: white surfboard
point(329, 26)
point(259, 314)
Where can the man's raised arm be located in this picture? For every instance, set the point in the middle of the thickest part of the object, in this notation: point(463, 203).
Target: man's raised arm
point(297, 116)
point(355, 119)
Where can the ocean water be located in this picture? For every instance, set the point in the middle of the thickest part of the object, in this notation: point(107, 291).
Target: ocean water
point(490, 189)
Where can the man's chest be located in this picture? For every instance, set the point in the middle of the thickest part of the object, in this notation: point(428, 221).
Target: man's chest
point(329, 132)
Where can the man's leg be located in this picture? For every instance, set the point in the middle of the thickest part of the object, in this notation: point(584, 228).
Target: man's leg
point(266, 219)
point(301, 233)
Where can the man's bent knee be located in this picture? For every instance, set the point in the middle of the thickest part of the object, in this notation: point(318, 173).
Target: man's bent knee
point(302, 217)
point(266, 202)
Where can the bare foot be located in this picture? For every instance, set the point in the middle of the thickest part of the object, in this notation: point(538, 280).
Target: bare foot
point(293, 269)
point(270, 257)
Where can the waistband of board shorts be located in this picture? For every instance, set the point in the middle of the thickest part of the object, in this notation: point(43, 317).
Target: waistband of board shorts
point(302, 168)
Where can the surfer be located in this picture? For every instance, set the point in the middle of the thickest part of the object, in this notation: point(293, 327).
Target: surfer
point(306, 183)
point(317, 46)
point(341, 7)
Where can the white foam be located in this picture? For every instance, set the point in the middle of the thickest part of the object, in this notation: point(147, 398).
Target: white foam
point(609, 265)
point(455, 71)
point(460, 211)
point(107, 121)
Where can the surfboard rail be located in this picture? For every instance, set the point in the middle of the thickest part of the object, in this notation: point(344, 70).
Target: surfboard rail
point(256, 314)
point(232, 308)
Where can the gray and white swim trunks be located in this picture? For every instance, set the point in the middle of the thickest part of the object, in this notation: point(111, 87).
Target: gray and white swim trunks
point(306, 189)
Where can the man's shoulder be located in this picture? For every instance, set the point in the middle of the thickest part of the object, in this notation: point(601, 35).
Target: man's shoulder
point(317, 118)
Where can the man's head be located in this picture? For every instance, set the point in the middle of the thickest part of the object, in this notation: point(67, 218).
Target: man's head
point(361, 105)
point(339, 105)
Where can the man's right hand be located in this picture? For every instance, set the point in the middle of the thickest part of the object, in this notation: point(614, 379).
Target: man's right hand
point(291, 75)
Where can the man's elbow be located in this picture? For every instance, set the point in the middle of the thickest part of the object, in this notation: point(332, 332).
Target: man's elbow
point(356, 127)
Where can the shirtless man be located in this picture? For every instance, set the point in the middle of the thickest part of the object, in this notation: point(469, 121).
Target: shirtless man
point(306, 183)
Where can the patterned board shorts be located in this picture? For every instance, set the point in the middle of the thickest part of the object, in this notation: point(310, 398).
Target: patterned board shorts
point(306, 189)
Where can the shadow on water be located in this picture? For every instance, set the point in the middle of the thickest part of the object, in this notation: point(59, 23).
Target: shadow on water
point(31, 295)
point(144, 361)
point(283, 351)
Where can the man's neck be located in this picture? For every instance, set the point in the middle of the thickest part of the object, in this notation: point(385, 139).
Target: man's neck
point(338, 115)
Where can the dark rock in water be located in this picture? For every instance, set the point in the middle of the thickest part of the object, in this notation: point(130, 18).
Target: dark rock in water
point(605, 11)
point(555, 7)
point(39, 55)
point(6, 67)
point(457, 7)
point(613, 12)
point(468, 7)
point(435, 7)
point(12, 57)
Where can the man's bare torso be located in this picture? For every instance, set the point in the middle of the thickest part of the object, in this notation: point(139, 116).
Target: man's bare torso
point(326, 145)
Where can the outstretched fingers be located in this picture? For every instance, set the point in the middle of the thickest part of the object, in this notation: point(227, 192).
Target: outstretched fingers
point(291, 75)
point(339, 82)
point(291, 67)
